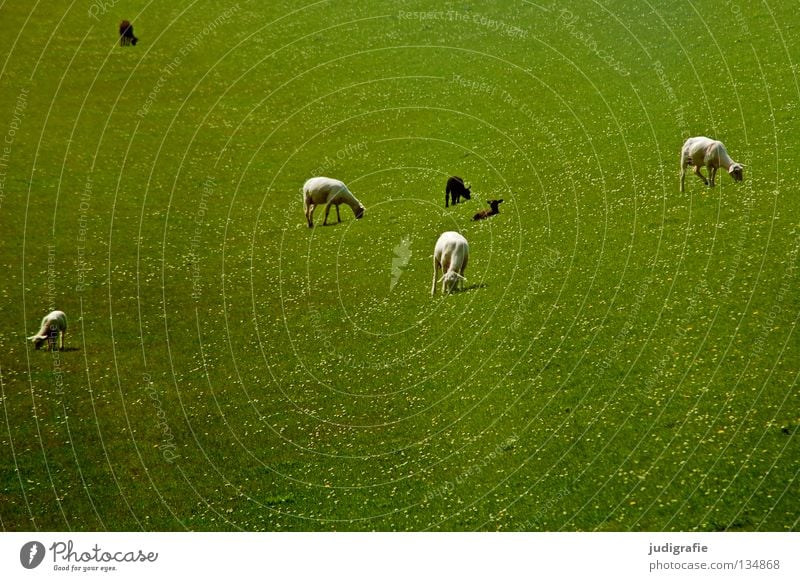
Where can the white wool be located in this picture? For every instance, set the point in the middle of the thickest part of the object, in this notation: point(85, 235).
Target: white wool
point(53, 324)
point(703, 151)
point(322, 190)
point(450, 256)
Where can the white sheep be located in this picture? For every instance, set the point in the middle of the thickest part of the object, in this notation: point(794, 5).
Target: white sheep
point(53, 325)
point(321, 190)
point(450, 256)
point(702, 151)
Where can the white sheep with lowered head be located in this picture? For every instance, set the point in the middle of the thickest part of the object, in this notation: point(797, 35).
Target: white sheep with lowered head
point(322, 190)
point(450, 256)
point(703, 151)
point(53, 325)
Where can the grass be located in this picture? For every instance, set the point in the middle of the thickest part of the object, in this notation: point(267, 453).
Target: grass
point(625, 357)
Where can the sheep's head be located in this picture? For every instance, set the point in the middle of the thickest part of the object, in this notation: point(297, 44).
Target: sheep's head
point(360, 212)
point(494, 204)
point(134, 40)
point(37, 341)
point(451, 280)
point(736, 170)
point(467, 192)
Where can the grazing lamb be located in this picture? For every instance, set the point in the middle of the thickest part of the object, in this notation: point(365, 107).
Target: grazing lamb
point(455, 190)
point(450, 256)
point(126, 34)
point(328, 191)
point(486, 213)
point(53, 325)
point(702, 151)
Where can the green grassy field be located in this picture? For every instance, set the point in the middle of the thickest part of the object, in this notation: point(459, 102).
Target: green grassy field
point(625, 357)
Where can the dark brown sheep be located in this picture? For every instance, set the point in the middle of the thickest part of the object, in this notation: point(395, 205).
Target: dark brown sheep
point(486, 213)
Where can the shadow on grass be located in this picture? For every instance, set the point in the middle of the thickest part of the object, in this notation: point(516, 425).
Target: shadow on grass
point(466, 289)
point(64, 350)
point(471, 287)
point(333, 224)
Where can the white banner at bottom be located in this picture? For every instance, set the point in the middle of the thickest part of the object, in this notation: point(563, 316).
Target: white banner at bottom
point(390, 556)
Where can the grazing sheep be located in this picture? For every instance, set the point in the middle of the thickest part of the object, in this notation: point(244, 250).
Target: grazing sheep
point(702, 151)
point(126, 34)
point(328, 191)
point(53, 325)
point(450, 256)
point(455, 190)
point(486, 213)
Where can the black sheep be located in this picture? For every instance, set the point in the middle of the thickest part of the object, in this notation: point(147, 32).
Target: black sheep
point(126, 36)
point(455, 190)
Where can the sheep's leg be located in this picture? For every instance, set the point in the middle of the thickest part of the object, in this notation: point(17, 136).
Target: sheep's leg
point(309, 206)
point(712, 174)
point(447, 286)
point(700, 175)
point(61, 340)
point(327, 211)
point(435, 271)
point(447, 199)
point(683, 171)
point(338, 217)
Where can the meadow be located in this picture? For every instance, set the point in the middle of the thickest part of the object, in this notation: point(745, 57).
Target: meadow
point(624, 357)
